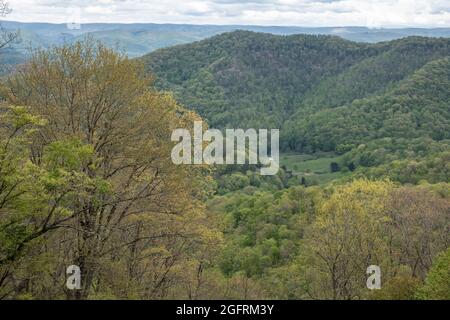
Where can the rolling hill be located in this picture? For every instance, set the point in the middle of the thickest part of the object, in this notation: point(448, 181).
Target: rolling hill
point(375, 103)
point(246, 79)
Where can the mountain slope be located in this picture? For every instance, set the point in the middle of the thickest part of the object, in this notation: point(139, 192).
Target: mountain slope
point(252, 79)
point(246, 79)
point(417, 107)
point(396, 61)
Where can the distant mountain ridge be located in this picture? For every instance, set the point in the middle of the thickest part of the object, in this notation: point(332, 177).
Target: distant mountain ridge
point(140, 39)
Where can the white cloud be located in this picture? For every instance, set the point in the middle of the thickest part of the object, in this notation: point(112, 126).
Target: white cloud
point(372, 13)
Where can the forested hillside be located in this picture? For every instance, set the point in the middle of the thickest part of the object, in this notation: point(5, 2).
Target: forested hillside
point(250, 79)
point(245, 79)
point(416, 106)
point(375, 103)
point(86, 177)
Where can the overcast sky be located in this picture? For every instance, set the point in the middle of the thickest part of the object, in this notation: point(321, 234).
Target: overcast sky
point(371, 13)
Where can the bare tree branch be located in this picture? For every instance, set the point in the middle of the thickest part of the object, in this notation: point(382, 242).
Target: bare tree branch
point(7, 37)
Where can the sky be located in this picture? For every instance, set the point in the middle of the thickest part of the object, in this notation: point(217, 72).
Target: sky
point(309, 13)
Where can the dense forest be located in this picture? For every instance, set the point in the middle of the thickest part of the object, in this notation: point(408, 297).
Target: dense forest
point(376, 103)
point(246, 79)
point(86, 177)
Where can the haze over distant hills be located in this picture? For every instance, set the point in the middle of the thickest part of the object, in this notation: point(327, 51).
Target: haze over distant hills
point(139, 39)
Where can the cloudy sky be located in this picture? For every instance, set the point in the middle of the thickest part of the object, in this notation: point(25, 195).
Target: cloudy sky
point(371, 13)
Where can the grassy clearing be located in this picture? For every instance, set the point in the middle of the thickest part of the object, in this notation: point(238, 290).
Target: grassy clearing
point(303, 164)
point(315, 168)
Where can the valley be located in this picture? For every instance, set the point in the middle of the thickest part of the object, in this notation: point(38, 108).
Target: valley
point(87, 132)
